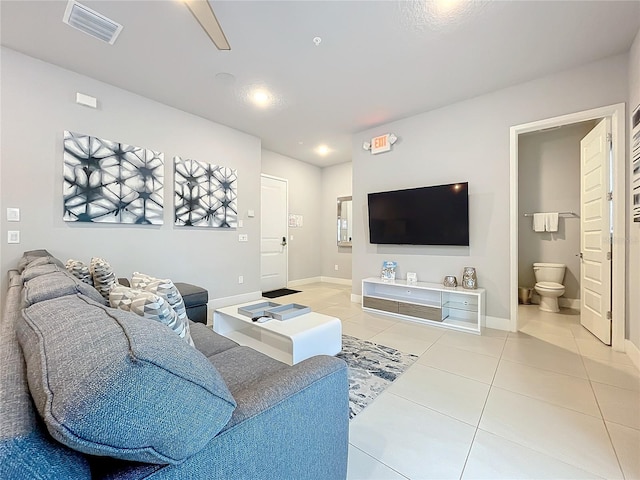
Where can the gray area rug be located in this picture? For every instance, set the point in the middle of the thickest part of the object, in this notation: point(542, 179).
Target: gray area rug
point(372, 368)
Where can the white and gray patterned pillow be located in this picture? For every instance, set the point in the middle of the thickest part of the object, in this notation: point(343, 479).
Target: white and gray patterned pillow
point(162, 287)
point(154, 307)
point(121, 297)
point(103, 277)
point(80, 270)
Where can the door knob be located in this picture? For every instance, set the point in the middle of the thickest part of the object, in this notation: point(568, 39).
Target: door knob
point(284, 241)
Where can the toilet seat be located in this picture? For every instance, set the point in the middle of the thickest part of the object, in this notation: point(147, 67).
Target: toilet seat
point(550, 285)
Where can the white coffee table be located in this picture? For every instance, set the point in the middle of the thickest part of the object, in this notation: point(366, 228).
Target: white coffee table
point(289, 341)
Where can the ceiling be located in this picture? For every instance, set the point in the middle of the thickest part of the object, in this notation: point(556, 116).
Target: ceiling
point(378, 61)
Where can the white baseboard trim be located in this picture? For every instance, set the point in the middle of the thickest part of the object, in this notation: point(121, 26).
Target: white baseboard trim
point(356, 298)
point(633, 352)
point(303, 281)
point(497, 322)
point(339, 281)
point(233, 300)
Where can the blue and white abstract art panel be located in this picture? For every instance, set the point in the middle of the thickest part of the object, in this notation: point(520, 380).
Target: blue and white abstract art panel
point(205, 194)
point(111, 182)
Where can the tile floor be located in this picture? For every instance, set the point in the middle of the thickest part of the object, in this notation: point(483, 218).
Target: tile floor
point(549, 401)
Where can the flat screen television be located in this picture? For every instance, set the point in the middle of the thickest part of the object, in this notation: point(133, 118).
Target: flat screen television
point(437, 215)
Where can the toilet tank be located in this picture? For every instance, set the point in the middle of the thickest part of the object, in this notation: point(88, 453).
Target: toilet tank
point(549, 272)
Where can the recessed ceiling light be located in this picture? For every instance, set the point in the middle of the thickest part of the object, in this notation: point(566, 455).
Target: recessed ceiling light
point(322, 150)
point(261, 97)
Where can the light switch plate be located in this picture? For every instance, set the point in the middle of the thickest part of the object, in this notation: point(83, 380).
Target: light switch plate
point(13, 236)
point(13, 214)
point(251, 213)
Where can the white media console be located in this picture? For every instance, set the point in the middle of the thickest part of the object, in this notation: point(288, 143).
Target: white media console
point(430, 303)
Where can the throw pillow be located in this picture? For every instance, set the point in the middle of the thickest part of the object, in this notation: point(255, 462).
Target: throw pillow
point(80, 270)
point(103, 277)
point(151, 306)
point(119, 386)
point(164, 288)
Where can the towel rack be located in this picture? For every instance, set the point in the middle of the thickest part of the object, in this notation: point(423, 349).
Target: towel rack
point(570, 214)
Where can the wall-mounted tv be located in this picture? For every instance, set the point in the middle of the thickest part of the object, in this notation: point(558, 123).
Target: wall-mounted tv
point(437, 215)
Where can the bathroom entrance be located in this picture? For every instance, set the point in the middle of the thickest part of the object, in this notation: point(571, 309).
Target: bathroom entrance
point(569, 240)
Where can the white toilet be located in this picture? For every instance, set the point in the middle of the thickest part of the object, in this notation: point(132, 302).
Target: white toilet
point(549, 278)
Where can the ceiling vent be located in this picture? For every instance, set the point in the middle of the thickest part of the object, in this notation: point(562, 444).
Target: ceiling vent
point(91, 22)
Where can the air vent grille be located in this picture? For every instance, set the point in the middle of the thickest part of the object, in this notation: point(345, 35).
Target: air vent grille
point(91, 22)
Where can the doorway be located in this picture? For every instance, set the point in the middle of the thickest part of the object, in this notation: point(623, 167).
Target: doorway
point(615, 115)
point(273, 233)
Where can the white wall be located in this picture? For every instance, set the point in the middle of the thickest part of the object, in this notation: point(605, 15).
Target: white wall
point(38, 104)
point(549, 181)
point(633, 232)
point(305, 183)
point(469, 141)
point(336, 182)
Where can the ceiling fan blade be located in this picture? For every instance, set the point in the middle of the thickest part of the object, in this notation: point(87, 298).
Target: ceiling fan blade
point(201, 9)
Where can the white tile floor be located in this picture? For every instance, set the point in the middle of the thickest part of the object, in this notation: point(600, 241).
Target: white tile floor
point(547, 402)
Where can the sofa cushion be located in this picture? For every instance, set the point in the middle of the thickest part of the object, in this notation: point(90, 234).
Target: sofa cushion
point(120, 386)
point(151, 306)
point(41, 256)
point(103, 277)
point(53, 285)
point(80, 270)
point(35, 269)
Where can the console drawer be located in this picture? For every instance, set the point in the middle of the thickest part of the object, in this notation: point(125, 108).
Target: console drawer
point(420, 311)
point(380, 304)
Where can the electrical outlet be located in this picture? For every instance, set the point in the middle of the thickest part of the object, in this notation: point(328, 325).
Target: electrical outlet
point(240, 279)
point(335, 267)
point(243, 237)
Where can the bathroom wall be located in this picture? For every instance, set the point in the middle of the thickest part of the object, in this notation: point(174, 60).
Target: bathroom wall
point(549, 181)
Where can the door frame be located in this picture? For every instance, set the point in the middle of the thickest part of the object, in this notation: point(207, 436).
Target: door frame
point(616, 113)
point(286, 252)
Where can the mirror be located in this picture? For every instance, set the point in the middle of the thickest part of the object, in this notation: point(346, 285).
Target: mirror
point(345, 221)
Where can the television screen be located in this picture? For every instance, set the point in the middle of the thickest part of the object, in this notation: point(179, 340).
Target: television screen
point(437, 215)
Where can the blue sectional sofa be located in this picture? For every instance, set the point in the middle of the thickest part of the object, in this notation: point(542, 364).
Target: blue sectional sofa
point(88, 391)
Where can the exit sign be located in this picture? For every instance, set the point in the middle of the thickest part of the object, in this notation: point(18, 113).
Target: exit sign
point(380, 144)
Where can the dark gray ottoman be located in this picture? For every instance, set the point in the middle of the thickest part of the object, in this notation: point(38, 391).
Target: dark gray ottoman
point(195, 300)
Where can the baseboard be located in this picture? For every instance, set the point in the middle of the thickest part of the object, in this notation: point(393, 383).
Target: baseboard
point(633, 352)
point(497, 322)
point(303, 281)
point(356, 298)
point(339, 281)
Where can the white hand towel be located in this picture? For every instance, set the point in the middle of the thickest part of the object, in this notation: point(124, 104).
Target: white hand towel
point(551, 222)
point(538, 222)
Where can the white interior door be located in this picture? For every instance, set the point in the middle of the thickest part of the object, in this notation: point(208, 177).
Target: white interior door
point(273, 236)
point(595, 231)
